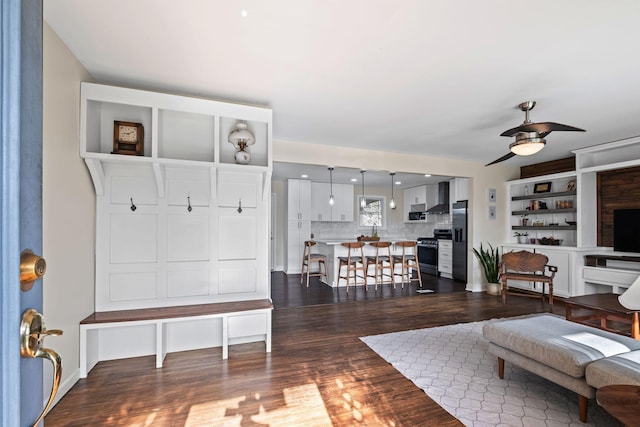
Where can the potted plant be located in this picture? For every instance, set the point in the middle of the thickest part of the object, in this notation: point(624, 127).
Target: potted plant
point(522, 237)
point(490, 261)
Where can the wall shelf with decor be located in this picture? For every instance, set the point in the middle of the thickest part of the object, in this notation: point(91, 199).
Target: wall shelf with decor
point(545, 208)
point(544, 195)
point(545, 211)
point(545, 227)
point(174, 130)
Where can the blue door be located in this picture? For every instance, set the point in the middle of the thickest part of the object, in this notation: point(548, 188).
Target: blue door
point(21, 395)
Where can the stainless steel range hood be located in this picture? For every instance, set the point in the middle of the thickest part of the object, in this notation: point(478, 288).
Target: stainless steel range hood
point(443, 199)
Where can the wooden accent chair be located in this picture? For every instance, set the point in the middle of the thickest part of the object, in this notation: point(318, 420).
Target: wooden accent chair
point(354, 261)
point(380, 262)
point(527, 266)
point(407, 260)
point(308, 258)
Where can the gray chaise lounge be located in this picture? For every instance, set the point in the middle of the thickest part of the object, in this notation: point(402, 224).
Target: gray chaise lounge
point(577, 357)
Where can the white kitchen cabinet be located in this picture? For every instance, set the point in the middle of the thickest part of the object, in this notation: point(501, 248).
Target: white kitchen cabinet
point(299, 200)
point(413, 196)
point(297, 233)
point(298, 222)
point(445, 258)
point(320, 207)
point(416, 195)
point(342, 209)
point(168, 226)
point(458, 190)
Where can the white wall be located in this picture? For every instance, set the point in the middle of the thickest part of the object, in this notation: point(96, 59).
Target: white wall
point(68, 209)
point(481, 229)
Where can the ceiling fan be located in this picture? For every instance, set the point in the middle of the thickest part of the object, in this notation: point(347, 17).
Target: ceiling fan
point(530, 136)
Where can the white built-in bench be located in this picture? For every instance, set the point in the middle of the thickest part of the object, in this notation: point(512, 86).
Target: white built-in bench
point(240, 318)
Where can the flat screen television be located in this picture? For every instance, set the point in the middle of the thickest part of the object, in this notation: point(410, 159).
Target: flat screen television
point(626, 230)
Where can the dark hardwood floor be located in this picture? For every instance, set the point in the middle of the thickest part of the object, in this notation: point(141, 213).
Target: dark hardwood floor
point(286, 290)
point(319, 372)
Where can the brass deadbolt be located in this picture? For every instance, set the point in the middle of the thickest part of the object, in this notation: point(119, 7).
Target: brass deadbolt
point(32, 267)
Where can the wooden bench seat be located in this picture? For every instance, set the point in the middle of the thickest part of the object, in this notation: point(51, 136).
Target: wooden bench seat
point(248, 317)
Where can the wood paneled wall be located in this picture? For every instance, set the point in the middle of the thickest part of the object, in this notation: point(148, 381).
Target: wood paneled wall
point(546, 168)
point(617, 189)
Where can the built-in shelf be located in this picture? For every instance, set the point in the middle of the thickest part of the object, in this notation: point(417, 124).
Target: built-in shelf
point(544, 211)
point(544, 195)
point(545, 227)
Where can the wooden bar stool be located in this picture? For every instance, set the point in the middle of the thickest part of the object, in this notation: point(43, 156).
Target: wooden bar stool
point(407, 260)
point(354, 261)
point(381, 261)
point(308, 258)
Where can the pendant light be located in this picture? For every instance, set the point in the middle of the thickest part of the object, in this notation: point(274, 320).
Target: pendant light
point(331, 185)
point(392, 204)
point(363, 201)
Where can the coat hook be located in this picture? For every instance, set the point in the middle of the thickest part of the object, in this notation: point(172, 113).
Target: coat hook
point(189, 208)
point(239, 205)
point(133, 207)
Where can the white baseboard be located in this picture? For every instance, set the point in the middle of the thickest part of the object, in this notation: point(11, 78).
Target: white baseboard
point(63, 389)
point(475, 287)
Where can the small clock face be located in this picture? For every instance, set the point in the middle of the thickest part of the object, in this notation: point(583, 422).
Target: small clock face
point(128, 134)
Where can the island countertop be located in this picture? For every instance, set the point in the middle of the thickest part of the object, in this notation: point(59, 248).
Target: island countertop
point(332, 249)
point(337, 240)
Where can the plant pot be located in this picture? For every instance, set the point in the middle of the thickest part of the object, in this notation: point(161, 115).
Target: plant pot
point(523, 239)
point(494, 288)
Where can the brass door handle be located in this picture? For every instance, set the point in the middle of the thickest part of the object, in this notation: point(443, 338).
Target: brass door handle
point(32, 335)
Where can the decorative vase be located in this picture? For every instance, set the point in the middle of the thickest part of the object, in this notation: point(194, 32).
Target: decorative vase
point(493, 288)
point(242, 157)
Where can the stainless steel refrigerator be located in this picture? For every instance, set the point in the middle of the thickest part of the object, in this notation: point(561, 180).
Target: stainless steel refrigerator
point(460, 251)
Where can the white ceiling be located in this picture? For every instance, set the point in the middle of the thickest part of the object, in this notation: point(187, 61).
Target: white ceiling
point(438, 78)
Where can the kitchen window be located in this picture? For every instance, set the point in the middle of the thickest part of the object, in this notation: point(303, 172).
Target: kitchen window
point(374, 213)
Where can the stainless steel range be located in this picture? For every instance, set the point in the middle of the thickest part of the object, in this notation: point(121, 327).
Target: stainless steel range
point(428, 251)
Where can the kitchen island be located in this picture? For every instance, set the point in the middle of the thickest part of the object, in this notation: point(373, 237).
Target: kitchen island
point(333, 249)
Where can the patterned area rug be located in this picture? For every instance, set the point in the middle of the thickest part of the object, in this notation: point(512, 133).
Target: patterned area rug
point(452, 365)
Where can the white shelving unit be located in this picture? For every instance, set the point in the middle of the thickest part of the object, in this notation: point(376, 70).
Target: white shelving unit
point(573, 277)
point(546, 213)
point(182, 224)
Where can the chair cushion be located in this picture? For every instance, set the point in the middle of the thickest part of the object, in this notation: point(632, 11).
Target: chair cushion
point(620, 369)
point(380, 258)
point(563, 345)
point(398, 258)
point(353, 259)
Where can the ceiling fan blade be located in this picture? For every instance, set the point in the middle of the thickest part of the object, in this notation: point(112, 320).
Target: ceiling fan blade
point(512, 131)
point(547, 127)
point(501, 159)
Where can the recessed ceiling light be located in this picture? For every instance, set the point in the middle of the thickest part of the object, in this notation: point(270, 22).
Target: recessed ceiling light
point(427, 175)
point(244, 13)
point(354, 179)
point(304, 175)
point(398, 182)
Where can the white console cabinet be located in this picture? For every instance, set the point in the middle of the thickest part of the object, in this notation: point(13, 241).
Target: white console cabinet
point(182, 224)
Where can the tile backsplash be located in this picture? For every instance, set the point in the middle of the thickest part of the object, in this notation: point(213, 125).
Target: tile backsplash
point(350, 230)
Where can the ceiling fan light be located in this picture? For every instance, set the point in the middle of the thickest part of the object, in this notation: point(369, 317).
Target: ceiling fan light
point(527, 147)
